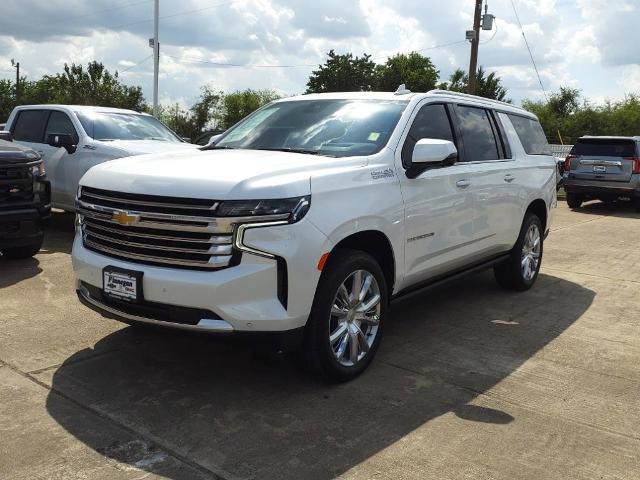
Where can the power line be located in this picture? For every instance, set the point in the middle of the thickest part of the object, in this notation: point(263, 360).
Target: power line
point(172, 15)
point(301, 65)
point(526, 42)
point(136, 63)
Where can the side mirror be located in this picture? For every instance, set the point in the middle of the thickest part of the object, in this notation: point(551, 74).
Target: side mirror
point(212, 141)
point(431, 153)
point(6, 136)
point(63, 140)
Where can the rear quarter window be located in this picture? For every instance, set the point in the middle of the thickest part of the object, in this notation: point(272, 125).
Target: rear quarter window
point(598, 147)
point(531, 135)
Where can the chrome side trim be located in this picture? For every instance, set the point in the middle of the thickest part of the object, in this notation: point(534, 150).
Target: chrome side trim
point(239, 237)
point(204, 325)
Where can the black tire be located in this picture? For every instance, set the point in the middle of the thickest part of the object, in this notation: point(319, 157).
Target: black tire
point(636, 203)
point(25, 251)
point(509, 274)
point(318, 350)
point(574, 201)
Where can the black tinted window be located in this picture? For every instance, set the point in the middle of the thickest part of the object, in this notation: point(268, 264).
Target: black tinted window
point(531, 135)
point(29, 126)
point(477, 134)
point(604, 148)
point(59, 122)
point(432, 121)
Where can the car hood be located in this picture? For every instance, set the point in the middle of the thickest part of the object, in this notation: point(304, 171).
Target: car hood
point(214, 174)
point(140, 147)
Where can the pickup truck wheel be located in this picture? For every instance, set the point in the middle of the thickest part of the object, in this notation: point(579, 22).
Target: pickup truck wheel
point(520, 271)
point(345, 324)
point(22, 252)
point(574, 201)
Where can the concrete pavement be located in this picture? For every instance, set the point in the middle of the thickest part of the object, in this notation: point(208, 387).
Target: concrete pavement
point(470, 381)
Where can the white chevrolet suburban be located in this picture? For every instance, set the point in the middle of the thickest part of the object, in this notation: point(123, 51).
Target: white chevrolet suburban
point(314, 212)
point(73, 138)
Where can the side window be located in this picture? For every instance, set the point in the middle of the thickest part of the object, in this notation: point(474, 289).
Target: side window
point(531, 135)
point(29, 126)
point(59, 122)
point(477, 134)
point(432, 121)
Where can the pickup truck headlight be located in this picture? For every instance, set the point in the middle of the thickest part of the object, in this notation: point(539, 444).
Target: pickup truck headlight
point(297, 207)
point(38, 170)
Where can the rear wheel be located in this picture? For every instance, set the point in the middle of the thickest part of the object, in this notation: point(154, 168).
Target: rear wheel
point(25, 251)
point(345, 324)
point(574, 201)
point(520, 271)
point(636, 203)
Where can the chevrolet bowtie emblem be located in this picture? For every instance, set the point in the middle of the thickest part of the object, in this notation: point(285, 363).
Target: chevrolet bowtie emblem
point(125, 218)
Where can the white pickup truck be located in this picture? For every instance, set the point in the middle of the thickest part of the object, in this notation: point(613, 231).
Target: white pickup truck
point(88, 136)
point(310, 215)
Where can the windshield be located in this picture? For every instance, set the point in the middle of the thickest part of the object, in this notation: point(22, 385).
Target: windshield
point(124, 126)
point(337, 128)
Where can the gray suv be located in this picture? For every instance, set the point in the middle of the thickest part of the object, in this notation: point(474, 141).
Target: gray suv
point(604, 168)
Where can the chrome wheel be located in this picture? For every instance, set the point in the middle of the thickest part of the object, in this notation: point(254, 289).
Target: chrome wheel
point(355, 317)
point(531, 253)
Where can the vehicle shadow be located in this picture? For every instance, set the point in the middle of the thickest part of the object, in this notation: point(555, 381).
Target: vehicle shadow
point(209, 400)
point(59, 232)
point(15, 271)
point(620, 208)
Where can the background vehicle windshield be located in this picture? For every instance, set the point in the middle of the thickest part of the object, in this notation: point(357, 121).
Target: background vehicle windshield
point(125, 126)
point(339, 128)
point(604, 147)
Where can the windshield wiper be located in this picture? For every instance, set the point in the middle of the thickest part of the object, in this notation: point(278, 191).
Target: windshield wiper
point(296, 150)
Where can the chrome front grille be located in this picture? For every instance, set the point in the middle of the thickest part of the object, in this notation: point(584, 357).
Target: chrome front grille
point(157, 230)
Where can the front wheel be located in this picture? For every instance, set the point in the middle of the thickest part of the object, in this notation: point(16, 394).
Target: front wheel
point(345, 325)
point(574, 201)
point(521, 269)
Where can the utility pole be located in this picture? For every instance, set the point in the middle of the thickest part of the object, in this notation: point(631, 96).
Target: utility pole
point(17, 67)
point(156, 55)
point(475, 42)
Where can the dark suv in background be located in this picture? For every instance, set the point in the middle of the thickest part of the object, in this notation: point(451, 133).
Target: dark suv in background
point(25, 199)
point(603, 168)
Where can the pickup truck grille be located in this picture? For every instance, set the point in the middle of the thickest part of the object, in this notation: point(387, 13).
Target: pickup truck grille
point(16, 185)
point(158, 230)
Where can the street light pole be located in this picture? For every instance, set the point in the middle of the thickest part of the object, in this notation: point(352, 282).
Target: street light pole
point(17, 66)
point(156, 55)
point(475, 42)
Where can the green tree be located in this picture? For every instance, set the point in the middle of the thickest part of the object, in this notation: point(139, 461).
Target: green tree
point(235, 106)
point(488, 86)
point(343, 73)
point(416, 71)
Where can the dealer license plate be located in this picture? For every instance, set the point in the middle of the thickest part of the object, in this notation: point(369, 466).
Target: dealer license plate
point(122, 284)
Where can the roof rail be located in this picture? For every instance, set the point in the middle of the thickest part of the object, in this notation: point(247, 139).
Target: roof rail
point(474, 97)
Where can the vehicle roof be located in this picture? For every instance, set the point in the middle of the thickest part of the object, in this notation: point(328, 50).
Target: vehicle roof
point(415, 97)
point(609, 137)
point(79, 108)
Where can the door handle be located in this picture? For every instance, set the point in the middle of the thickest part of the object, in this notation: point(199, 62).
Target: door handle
point(463, 183)
point(41, 152)
point(509, 178)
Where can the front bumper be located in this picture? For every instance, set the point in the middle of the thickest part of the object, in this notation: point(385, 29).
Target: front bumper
point(242, 298)
point(20, 227)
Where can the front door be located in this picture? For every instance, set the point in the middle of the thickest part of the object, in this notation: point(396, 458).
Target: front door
point(439, 203)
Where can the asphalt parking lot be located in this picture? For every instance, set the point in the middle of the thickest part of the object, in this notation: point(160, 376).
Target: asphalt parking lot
point(470, 382)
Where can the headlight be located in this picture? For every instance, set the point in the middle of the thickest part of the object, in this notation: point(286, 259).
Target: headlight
point(38, 170)
point(296, 207)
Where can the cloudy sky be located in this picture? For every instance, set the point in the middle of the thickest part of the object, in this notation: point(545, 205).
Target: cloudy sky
point(587, 44)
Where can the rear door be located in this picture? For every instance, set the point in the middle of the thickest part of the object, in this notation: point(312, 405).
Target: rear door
point(603, 159)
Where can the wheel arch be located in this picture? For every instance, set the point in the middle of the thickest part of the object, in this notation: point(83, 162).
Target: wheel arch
point(539, 208)
point(376, 244)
